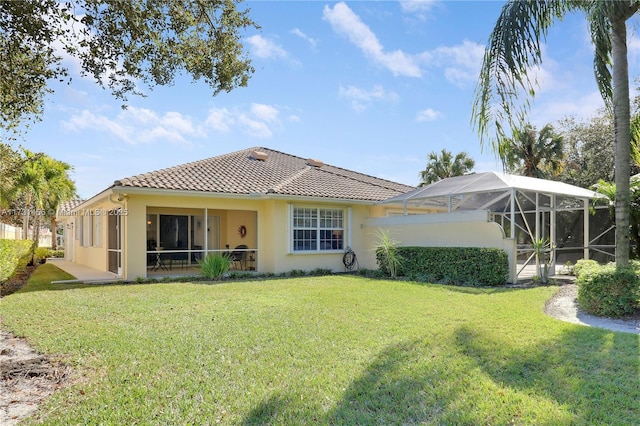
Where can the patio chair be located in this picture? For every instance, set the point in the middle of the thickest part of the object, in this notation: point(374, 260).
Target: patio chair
point(238, 257)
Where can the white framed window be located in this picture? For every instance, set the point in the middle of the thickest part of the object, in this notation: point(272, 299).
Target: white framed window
point(317, 229)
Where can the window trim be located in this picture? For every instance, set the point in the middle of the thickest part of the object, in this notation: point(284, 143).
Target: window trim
point(345, 219)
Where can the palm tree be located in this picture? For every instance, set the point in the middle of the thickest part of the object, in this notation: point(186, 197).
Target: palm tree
point(445, 165)
point(43, 183)
point(534, 154)
point(58, 188)
point(514, 50)
point(29, 184)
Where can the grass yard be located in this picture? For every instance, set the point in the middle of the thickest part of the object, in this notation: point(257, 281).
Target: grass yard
point(322, 350)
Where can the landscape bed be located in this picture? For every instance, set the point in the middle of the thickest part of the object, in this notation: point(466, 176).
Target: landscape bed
point(322, 350)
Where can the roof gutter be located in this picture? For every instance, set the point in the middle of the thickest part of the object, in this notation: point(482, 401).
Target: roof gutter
point(250, 196)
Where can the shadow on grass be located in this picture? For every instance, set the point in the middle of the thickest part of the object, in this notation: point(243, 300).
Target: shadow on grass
point(585, 376)
point(396, 388)
point(592, 372)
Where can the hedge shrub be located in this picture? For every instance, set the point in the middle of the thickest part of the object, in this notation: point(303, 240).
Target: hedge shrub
point(14, 256)
point(470, 266)
point(609, 291)
point(584, 265)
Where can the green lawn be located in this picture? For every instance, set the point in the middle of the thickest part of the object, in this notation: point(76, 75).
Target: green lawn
point(322, 350)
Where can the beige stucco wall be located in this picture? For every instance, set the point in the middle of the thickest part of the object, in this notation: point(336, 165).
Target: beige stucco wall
point(94, 256)
point(275, 230)
point(266, 221)
point(462, 229)
point(233, 213)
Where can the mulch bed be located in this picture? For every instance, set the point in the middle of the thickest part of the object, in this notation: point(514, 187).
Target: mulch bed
point(17, 281)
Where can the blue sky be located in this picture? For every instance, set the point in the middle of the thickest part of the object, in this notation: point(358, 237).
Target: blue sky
point(371, 86)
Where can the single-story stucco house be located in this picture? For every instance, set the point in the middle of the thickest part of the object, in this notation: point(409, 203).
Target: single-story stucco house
point(274, 212)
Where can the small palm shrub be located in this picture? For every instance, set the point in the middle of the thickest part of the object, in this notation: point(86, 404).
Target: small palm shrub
point(214, 266)
point(387, 256)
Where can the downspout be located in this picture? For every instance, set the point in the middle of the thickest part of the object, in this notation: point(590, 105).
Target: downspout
point(349, 227)
point(120, 201)
point(206, 233)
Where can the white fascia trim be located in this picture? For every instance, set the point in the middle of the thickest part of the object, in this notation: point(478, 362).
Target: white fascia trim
point(181, 192)
point(98, 197)
point(252, 196)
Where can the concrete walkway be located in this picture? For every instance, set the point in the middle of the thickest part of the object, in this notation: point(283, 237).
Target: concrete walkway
point(82, 273)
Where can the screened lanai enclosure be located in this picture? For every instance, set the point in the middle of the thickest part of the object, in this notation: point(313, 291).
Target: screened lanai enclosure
point(560, 218)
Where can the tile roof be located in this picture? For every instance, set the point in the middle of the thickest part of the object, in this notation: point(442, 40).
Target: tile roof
point(68, 205)
point(241, 172)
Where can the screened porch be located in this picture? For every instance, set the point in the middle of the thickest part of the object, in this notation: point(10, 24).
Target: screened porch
point(530, 211)
point(178, 238)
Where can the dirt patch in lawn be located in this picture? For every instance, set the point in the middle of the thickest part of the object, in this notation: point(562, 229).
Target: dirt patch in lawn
point(27, 378)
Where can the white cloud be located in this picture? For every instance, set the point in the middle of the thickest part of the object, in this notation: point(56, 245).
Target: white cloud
point(264, 48)
point(137, 125)
point(361, 98)
point(254, 127)
point(259, 120)
point(265, 112)
point(582, 107)
point(461, 62)
point(294, 119)
point(417, 7)
point(345, 22)
point(220, 119)
point(303, 36)
point(428, 115)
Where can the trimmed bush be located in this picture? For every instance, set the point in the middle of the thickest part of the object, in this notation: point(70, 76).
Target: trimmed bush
point(584, 265)
point(470, 266)
point(609, 291)
point(15, 255)
point(56, 253)
point(40, 254)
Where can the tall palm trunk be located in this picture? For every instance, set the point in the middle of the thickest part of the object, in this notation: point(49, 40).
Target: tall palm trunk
point(26, 217)
point(54, 233)
point(621, 110)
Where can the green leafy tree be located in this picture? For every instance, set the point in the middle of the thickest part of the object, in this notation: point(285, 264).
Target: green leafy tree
point(120, 44)
point(9, 168)
point(535, 154)
point(445, 165)
point(514, 50)
point(589, 150)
